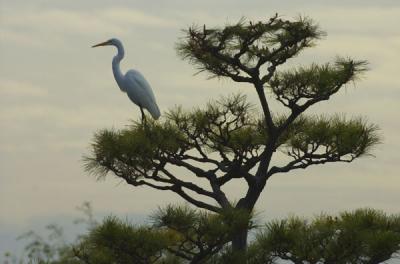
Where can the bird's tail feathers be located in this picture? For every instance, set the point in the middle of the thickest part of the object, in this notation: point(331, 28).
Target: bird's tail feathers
point(154, 111)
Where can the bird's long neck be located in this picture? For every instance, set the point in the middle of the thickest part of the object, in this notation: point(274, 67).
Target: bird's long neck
point(115, 63)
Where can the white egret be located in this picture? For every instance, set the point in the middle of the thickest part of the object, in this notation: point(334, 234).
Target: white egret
point(133, 83)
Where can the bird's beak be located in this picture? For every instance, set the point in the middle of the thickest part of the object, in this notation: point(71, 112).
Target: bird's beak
point(102, 44)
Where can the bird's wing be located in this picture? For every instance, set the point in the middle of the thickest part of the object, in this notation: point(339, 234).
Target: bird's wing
point(142, 83)
point(144, 91)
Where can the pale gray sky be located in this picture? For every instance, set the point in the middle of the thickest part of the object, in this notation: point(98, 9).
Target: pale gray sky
point(55, 92)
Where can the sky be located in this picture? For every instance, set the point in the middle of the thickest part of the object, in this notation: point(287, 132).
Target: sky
point(56, 92)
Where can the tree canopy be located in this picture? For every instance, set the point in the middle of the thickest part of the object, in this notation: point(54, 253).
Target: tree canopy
point(231, 138)
point(180, 234)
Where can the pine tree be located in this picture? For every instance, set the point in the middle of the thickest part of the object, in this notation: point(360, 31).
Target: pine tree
point(229, 139)
point(180, 235)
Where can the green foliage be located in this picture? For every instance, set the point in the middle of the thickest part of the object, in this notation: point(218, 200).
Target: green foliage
point(180, 234)
point(135, 146)
point(226, 125)
point(121, 242)
point(362, 236)
point(199, 234)
point(142, 154)
point(315, 82)
point(245, 45)
point(229, 127)
point(211, 227)
point(337, 136)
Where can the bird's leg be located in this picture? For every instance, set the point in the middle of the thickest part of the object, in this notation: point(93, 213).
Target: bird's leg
point(143, 116)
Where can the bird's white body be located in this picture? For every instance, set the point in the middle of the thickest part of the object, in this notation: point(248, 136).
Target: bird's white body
point(140, 93)
point(132, 82)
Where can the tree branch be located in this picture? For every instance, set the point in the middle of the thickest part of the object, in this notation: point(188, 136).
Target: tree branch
point(188, 185)
point(197, 171)
point(195, 202)
point(266, 111)
point(236, 172)
point(305, 161)
point(203, 159)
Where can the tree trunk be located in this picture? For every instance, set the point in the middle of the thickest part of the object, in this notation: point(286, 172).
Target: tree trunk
point(239, 240)
point(239, 246)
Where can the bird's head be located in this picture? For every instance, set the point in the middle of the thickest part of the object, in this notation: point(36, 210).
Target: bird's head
point(112, 42)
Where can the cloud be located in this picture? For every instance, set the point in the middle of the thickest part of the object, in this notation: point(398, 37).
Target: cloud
point(359, 20)
point(131, 17)
point(12, 36)
point(17, 88)
point(38, 26)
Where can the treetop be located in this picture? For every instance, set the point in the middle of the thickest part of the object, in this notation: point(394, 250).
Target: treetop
point(239, 50)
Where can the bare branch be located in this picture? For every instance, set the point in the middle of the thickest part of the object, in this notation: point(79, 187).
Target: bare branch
point(177, 182)
point(306, 161)
point(195, 202)
point(197, 171)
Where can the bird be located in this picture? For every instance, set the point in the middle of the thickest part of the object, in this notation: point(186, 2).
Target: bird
point(132, 82)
